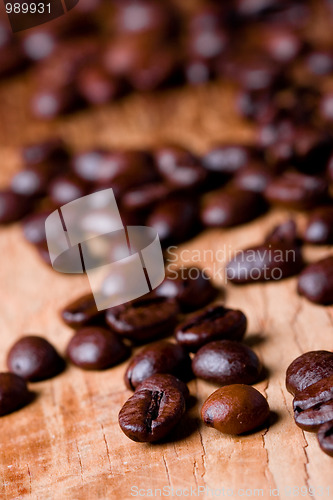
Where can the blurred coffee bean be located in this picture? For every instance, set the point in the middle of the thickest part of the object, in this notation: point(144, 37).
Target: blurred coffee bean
point(13, 206)
point(82, 312)
point(319, 62)
point(206, 43)
point(312, 150)
point(230, 207)
point(13, 393)
point(49, 102)
point(50, 152)
point(325, 438)
point(308, 369)
point(96, 86)
point(319, 226)
point(316, 282)
point(282, 44)
point(154, 69)
point(34, 227)
point(254, 73)
point(326, 107)
point(39, 44)
point(198, 71)
point(66, 188)
point(249, 8)
point(255, 177)
point(32, 181)
point(227, 159)
point(123, 54)
point(145, 197)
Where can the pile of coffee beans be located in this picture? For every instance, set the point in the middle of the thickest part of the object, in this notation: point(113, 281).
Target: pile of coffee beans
point(310, 380)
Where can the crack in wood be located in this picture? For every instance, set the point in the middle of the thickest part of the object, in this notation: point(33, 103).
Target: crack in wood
point(106, 447)
point(80, 461)
point(306, 463)
point(30, 480)
point(166, 469)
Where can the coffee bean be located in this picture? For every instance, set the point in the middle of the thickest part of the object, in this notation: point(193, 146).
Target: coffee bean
point(49, 102)
point(319, 227)
point(149, 415)
point(96, 86)
point(32, 181)
point(34, 227)
point(316, 282)
point(13, 393)
point(66, 188)
point(254, 72)
point(123, 54)
point(326, 107)
point(175, 219)
point(271, 261)
point(283, 233)
point(313, 418)
point(227, 159)
point(315, 394)
point(163, 381)
point(308, 369)
point(82, 312)
point(312, 150)
point(325, 438)
point(282, 44)
point(298, 191)
point(226, 362)
point(197, 71)
point(212, 323)
point(144, 197)
point(191, 288)
point(254, 177)
point(144, 319)
point(160, 357)
point(13, 206)
point(94, 348)
point(34, 359)
point(235, 409)
point(319, 62)
point(49, 152)
point(154, 68)
point(230, 207)
point(206, 43)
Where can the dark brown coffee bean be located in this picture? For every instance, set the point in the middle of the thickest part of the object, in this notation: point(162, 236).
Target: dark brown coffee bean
point(94, 348)
point(226, 362)
point(312, 150)
point(160, 357)
point(96, 86)
point(283, 233)
point(34, 227)
point(175, 219)
point(32, 181)
point(123, 55)
point(179, 168)
point(49, 102)
point(255, 73)
point(319, 227)
point(144, 319)
point(282, 44)
point(82, 312)
point(198, 71)
point(66, 188)
point(235, 409)
point(230, 207)
point(316, 282)
point(154, 68)
point(227, 159)
point(308, 369)
point(326, 107)
point(39, 44)
point(34, 358)
point(144, 197)
point(13, 393)
point(149, 415)
point(298, 191)
point(13, 206)
point(319, 62)
point(206, 43)
point(311, 419)
point(49, 152)
point(325, 438)
point(249, 8)
point(271, 261)
point(315, 394)
point(163, 381)
point(191, 287)
point(254, 177)
point(212, 323)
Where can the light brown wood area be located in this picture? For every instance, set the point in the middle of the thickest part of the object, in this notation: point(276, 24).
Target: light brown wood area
point(67, 444)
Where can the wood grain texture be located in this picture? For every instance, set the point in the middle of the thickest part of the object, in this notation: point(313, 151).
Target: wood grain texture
point(67, 443)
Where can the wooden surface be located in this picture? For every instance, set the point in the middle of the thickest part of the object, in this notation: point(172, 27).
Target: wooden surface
point(67, 443)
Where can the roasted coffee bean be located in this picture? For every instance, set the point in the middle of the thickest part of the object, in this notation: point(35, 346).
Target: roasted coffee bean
point(154, 68)
point(315, 394)
point(96, 86)
point(52, 101)
point(281, 43)
point(161, 381)
point(13, 206)
point(49, 152)
point(123, 55)
point(13, 393)
point(252, 8)
point(319, 62)
point(283, 233)
point(254, 177)
point(94, 348)
point(149, 415)
point(38, 45)
point(179, 168)
point(160, 357)
point(254, 72)
point(34, 227)
point(174, 219)
point(312, 150)
point(326, 107)
point(144, 197)
point(325, 438)
point(256, 106)
point(230, 207)
point(144, 319)
point(32, 181)
point(227, 159)
point(298, 191)
point(198, 71)
point(313, 418)
point(82, 312)
point(226, 362)
point(319, 227)
point(34, 358)
point(235, 409)
point(66, 188)
point(212, 323)
point(206, 43)
point(308, 369)
point(316, 282)
point(191, 287)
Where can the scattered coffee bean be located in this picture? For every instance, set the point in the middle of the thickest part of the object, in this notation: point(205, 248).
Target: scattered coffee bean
point(161, 381)
point(94, 348)
point(50, 152)
point(235, 409)
point(213, 323)
point(325, 438)
point(34, 358)
point(319, 227)
point(226, 362)
point(66, 188)
point(82, 312)
point(317, 393)
point(227, 159)
point(308, 369)
point(150, 414)
point(34, 227)
point(254, 177)
point(313, 418)
point(316, 282)
point(144, 319)
point(160, 357)
point(13, 393)
point(13, 206)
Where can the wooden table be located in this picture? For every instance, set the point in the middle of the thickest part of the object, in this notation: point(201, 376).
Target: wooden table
point(67, 444)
